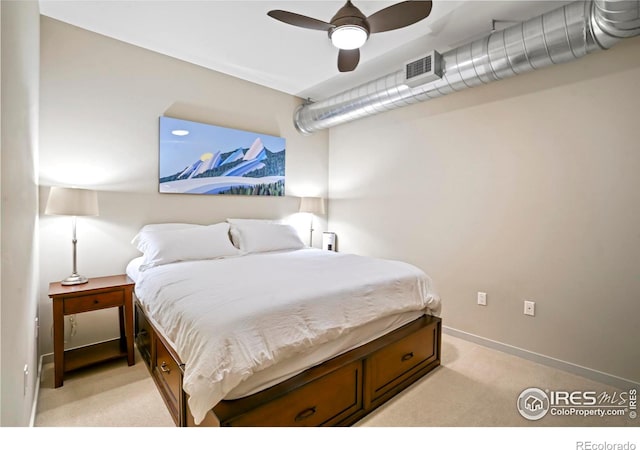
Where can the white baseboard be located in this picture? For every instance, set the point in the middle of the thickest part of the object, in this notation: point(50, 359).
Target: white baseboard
point(592, 374)
point(46, 358)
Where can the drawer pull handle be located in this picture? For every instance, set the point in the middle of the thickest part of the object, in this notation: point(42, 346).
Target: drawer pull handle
point(305, 414)
point(96, 301)
point(164, 368)
point(407, 357)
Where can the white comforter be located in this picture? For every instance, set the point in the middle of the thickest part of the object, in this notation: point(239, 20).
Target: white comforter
point(230, 318)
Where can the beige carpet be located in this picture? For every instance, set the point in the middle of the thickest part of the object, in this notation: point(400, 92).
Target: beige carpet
point(111, 394)
point(474, 387)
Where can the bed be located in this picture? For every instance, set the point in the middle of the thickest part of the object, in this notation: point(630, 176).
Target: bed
point(240, 324)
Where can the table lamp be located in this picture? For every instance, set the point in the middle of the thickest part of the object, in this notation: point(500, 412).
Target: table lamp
point(311, 205)
point(72, 202)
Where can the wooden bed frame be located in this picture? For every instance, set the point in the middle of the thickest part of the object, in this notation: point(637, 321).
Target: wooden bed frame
point(338, 392)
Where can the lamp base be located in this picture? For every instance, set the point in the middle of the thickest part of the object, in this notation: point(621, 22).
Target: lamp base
point(74, 279)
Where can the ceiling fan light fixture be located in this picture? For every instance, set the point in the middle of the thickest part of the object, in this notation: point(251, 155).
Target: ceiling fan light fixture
point(349, 29)
point(349, 37)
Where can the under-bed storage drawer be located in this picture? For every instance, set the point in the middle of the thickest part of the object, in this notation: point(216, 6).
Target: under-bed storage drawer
point(325, 401)
point(169, 379)
point(392, 365)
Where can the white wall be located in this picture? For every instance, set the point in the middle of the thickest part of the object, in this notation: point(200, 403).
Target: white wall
point(527, 188)
point(100, 104)
point(19, 158)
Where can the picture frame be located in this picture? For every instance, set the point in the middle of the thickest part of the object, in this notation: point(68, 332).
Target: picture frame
point(199, 158)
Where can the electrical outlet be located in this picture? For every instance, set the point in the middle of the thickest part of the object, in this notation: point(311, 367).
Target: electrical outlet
point(482, 298)
point(529, 308)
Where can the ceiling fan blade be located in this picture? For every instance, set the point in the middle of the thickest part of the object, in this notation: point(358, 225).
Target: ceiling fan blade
point(348, 60)
point(399, 15)
point(299, 20)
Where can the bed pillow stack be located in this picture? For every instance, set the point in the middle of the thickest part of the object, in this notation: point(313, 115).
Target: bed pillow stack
point(256, 236)
point(167, 243)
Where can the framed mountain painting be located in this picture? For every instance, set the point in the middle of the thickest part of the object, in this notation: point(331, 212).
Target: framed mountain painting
point(197, 158)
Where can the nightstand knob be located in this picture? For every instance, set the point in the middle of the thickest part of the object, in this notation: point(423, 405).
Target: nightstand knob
point(96, 301)
point(164, 368)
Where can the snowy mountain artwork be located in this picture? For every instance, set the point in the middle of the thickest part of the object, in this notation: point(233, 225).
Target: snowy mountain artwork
point(197, 158)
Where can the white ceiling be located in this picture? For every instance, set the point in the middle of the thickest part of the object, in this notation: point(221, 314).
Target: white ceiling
point(239, 39)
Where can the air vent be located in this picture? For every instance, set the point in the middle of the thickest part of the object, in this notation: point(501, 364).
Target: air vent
point(423, 70)
point(417, 68)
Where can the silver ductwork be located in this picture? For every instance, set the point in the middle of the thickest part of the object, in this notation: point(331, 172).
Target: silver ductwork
point(562, 35)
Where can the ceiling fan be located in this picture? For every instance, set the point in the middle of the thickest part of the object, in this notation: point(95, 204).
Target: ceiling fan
point(349, 29)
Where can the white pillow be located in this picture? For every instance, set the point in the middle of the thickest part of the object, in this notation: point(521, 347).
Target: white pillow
point(138, 239)
point(263, 236)
point(187, 244)
point(234, 233)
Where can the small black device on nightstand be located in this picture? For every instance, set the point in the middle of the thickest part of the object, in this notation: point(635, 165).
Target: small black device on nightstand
point(329, 241)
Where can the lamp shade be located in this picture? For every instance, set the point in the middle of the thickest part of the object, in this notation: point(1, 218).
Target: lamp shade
point(72, 202)
point(314, 205)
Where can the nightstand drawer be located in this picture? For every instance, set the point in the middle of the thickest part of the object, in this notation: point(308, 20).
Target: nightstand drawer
point(74, 305)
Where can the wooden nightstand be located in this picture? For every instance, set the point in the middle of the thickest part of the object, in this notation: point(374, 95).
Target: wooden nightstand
point(98, 293)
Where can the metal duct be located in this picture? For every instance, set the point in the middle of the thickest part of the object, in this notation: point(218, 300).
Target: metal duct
point(562, 35)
